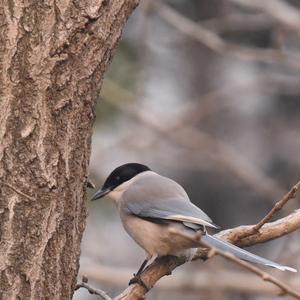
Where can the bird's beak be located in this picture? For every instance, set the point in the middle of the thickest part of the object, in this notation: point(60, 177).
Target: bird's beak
point(101, 193)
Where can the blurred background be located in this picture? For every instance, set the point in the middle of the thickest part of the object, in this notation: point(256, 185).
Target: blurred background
point(207, 93)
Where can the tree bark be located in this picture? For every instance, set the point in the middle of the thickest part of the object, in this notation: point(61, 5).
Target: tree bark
point(53, 55)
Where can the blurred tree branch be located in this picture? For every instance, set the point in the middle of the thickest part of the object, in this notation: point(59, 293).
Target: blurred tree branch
point(180, 132)
point(217, 44)
point(234, 22)
point(284, 13)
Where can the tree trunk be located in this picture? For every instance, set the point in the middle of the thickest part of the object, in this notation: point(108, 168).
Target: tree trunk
point(53, 56)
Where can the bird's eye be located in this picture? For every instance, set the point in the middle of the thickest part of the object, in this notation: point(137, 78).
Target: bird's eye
point(118, 177)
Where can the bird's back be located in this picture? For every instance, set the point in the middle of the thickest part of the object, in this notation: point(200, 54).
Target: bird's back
point(155, 196)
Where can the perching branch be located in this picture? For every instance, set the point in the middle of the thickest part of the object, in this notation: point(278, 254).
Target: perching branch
point(225, 280)
point(269, 231)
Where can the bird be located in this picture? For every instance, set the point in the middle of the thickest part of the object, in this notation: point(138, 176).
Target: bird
point(152, 207)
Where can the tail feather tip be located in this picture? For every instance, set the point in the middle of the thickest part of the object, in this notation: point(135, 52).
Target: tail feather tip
point(290, 269)
point(284, 268)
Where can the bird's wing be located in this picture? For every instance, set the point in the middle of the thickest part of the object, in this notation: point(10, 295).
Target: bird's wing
point(172, 209)
point(158, 197)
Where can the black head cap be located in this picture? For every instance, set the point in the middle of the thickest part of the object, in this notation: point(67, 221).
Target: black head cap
point(123, 173)
point(119, 176)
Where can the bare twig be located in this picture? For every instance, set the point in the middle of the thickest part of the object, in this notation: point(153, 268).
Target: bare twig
point(220, 46)
point(278, 206)
point(281, 11)
point(84, 284)
point(239, 22)
point(180, 133)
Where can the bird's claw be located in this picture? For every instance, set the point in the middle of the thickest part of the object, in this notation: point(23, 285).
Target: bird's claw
point(137, 279)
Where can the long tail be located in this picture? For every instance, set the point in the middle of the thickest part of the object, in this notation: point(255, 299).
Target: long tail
point(243, 254)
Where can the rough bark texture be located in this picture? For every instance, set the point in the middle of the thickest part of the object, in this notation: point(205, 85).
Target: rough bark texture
point(53, 56)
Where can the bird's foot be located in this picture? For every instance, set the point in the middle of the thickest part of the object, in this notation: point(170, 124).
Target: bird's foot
point(137, 279)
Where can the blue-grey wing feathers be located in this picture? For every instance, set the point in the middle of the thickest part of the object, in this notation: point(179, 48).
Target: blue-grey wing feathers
point(172, 209)
point(155, 196)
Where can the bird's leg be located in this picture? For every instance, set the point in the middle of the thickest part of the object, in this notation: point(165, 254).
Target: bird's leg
point(137, 278)
point(141, 268)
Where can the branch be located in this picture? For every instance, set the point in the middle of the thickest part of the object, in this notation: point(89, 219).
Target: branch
point(281, 11)
point(225, 280)
point(220, 46)
point(269, 231)
point(93, 291)
point(278, 206)
point(193, 138)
